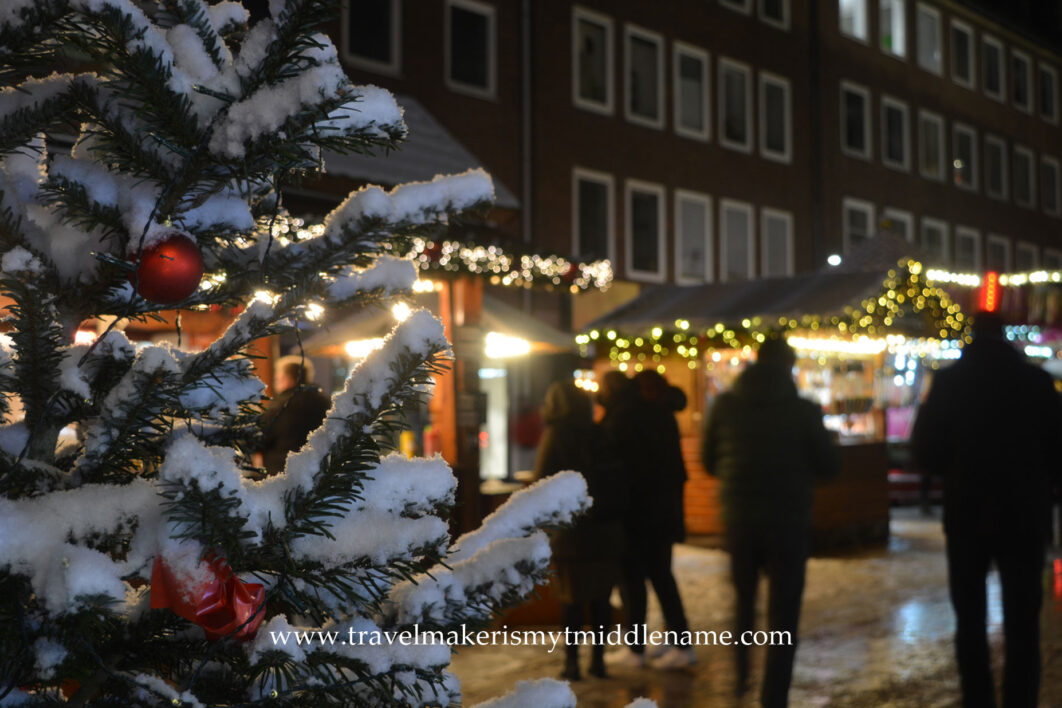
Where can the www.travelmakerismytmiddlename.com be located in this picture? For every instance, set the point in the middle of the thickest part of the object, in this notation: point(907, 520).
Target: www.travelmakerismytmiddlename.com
point(615, 636)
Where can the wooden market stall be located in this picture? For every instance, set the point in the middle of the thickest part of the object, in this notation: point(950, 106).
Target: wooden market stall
point(867, 339)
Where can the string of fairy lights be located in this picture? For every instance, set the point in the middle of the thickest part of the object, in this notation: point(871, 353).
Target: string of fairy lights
point(907, 293)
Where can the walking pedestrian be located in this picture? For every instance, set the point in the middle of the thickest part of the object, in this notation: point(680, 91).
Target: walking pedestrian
point(988, 429)
point(768, 447)
point(298, 408)
point(586, 556)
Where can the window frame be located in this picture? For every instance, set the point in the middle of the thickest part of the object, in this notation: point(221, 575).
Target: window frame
point(765, 78)
point(943, 225)
point(743, 7)
point(608, 108)
point(1008, 255)
point(969, 130)
point(782, 24)
point(920, 9)
point(1042, 69)
point(490, 92)
point(606, 179)
point(868, 125)
point(894, 214)
point(726, 205)
point(971, 54)
point(629, 187)
point(901, 56)
point(856, 204)
point(988, 39)
point(391, 68)
point(1033, 181)
point(1015, 56)
point(923, 114)
point(709, 255)
point(681, 48)
point(1049, 160)
point(967, 232)
point(631, 31)
point(722, 65)
point(1004, 167)
point(866, 23)
point(787, 217)
point(1026, 246)
point(891, 102)
point(1055, 255)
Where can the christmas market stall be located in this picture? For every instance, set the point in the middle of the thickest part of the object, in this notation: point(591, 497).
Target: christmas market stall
point(867, 340)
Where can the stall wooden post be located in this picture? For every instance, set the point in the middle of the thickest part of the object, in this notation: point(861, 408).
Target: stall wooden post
point(456, 406)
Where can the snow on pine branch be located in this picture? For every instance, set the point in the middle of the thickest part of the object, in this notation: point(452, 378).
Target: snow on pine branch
point(552, 501)
point(387, 274)
point(31, 94)
point(543, 693)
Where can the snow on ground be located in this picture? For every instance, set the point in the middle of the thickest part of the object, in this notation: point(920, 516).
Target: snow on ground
point(876, 632)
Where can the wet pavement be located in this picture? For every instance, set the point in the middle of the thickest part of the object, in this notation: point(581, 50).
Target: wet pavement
point(876, 632)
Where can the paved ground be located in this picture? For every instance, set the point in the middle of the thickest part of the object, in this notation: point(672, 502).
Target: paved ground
point(876, 633)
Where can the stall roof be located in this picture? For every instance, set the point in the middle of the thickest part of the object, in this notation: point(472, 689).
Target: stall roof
point(429, 150)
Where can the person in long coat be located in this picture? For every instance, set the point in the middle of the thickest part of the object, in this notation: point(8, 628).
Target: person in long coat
point(768, 447)
point(989, 428)
point(640, 418)
point(587, 555)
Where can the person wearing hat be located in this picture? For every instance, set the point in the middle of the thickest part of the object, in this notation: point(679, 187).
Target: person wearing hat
point(768, 447)
point(988, 429)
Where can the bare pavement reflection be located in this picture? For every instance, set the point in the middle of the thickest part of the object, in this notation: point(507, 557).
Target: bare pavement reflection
point(876, 632)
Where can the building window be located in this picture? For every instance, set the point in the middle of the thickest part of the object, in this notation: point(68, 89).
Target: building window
point(997, 255)
point(962, 54)
point(776, 243)
point(735, 105)
point(691, 91)
point(1052, 259)
point(470, 47)
point(929, 39)
point(967, 250)
point(371, 36)
point(857, 222)
point(894, 134)
point(742, 6)
point(995, 167)
point(1026, 257)
point(645, 231)
point(965, 151)
point(853, 14)
point(1024, 177)
point(775, 12)
point(935, 241)
point(644, 60)
point(776, 118)
point(892, 27)
point(931, 145)
point(735, 247)
point(898, 223)
point(592, 56)
point(1021, 80)
point(1048, 93)
point(855, 120)
point(592, 225)
point(1049, 185)
point(693, 232)
point(992, 67)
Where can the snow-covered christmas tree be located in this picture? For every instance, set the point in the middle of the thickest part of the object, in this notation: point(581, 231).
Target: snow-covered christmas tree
point(139, 565)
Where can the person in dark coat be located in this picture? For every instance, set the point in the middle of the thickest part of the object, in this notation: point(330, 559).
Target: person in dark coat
point(640, 418)
point(989, 429)
point(586, 556)
point(768, 447)
point(297, 410)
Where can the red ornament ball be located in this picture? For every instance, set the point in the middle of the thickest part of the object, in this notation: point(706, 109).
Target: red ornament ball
point(170, 269)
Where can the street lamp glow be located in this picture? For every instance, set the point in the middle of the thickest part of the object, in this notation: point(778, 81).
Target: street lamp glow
point(502, 346)
point(834, 259)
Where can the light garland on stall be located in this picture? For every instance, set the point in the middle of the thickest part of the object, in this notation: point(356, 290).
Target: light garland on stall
point(907, 291)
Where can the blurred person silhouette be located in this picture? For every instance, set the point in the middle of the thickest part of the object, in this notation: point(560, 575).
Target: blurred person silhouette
point(587, 555)
point(768, 447)
point(297, 409)
point(988, 428)
point(640, 416)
